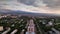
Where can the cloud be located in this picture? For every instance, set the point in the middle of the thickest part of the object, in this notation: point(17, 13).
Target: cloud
point(53, 4)
point(36, 6)
point(35, 3)
point(18, 5)
point(39, 3)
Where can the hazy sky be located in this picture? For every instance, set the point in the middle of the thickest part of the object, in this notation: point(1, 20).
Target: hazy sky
point(37, 6)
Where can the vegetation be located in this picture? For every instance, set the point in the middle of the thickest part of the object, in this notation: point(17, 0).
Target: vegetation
point(20, 23)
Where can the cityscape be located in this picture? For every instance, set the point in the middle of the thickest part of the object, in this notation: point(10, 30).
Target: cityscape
point(19, 24)
point(29, 16)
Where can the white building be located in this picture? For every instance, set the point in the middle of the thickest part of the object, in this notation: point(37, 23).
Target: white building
point(31, 27)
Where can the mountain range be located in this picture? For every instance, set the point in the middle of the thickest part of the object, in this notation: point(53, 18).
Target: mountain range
point(20, 12)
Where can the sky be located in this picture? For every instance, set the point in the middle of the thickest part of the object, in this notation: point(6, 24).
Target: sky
point(36, 6)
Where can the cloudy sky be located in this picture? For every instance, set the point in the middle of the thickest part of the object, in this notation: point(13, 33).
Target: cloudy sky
point(36, 6)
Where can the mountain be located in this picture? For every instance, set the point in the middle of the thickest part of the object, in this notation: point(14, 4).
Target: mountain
point(17, 12)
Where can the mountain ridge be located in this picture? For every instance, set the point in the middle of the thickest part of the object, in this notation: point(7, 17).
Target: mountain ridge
point(5, 11)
